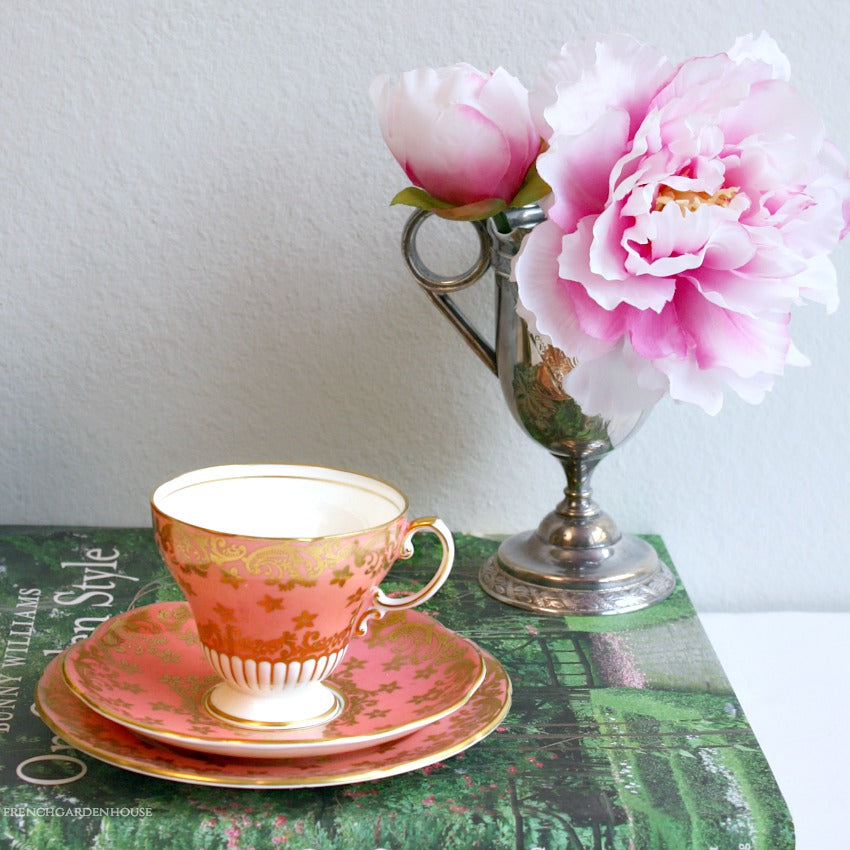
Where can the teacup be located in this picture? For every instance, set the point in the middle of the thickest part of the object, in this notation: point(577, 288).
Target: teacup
point(281, 565)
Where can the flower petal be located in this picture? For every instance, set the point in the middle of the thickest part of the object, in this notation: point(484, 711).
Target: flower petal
point(461, 135)
point(691, 209)
point(819, 282)
point(550, 299)
point(596, 321)
point(743, 292)
point(744, 344)
point(578, 168)
point(615, 385)
point(655, 335)
point(461, 141)
point(761, 49)
point(575, 91)
point(705, 388)
point(505, 99)
point(591, 242)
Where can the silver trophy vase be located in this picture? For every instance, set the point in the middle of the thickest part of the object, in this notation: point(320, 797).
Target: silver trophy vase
point(576, 561)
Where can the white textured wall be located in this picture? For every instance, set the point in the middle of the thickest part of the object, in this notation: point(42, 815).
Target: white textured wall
point(199, 265)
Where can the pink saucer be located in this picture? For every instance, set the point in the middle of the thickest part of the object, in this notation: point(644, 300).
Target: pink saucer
point(145, 669)
point(110, 742)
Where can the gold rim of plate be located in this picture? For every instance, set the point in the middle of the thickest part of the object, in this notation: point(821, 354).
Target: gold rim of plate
point(198, 777)
point(319, 743)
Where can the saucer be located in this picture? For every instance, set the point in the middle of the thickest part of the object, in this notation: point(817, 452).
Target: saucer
point(146, 670)
point(91, 733)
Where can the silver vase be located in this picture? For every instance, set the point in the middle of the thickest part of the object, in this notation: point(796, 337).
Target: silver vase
point(576, 561)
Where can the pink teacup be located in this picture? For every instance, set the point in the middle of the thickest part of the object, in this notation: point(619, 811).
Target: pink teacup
point(281, 566)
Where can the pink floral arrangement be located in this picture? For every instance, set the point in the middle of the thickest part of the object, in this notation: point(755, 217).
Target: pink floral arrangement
point(688, 207)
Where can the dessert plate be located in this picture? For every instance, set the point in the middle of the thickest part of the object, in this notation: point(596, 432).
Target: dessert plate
point(146, 670)
point(92, 733)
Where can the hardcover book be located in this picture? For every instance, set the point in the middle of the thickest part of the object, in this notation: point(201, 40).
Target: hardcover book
point(623, 730)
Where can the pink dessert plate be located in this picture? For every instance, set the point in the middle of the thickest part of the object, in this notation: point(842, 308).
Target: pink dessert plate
point(145, 669)
point(94, 734)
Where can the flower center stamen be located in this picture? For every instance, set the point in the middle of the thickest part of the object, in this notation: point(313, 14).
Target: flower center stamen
point(689, 201)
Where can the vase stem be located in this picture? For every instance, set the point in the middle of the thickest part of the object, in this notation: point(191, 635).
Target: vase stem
point(578, 502)
point(578, 523)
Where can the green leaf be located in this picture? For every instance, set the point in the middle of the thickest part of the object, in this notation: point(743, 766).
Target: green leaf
point(473, 212)
point(413, 196)
point(534, 188)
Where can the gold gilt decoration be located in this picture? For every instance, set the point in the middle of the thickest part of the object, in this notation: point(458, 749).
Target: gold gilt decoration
point(379, 551)
point(232, 576)
point(286, 565)
point(283, 565)
point(88, 731)
point(295, 645)
point(195, 551)
point(187, 550)
point(341, 576)
point(415, 642)
point(222, 551)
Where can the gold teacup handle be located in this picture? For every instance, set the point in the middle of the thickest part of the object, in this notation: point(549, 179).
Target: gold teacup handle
point(382, 604)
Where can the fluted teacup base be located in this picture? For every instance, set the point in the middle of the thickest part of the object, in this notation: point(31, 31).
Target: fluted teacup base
point(310, 704)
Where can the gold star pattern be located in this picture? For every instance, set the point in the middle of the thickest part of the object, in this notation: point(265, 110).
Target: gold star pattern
point(354, 598)
point(169, 656)
point(164, 706)
point(270, 603)
point(231, 576)
point(304, 620)
point(341, 576)
point(225, 613)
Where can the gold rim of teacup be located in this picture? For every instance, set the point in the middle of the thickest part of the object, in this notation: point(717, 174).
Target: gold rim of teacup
point(400, 513)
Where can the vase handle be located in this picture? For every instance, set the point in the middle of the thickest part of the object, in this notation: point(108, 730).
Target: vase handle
point(438, 287)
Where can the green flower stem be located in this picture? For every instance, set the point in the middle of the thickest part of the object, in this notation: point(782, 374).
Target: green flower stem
point(500, 220)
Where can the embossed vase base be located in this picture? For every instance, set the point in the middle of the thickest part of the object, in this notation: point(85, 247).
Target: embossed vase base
point(527, 572)
point(315, 703)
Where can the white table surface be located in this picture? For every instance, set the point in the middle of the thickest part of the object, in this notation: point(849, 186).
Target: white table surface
point(791, 673)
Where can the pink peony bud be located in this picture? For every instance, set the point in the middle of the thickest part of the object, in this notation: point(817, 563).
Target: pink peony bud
point(461, 135)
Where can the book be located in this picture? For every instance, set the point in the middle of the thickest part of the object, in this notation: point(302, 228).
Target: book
point(623, 733)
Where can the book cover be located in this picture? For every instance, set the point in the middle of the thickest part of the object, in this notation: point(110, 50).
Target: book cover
point(624, 732)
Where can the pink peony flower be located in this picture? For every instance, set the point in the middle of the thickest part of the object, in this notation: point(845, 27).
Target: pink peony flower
point(692, 207)
point(465, 137)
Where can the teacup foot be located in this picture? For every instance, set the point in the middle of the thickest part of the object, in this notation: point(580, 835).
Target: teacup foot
point(310, 704)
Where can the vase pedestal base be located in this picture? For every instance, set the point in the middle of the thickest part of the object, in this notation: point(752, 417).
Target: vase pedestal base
point(527, 572)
